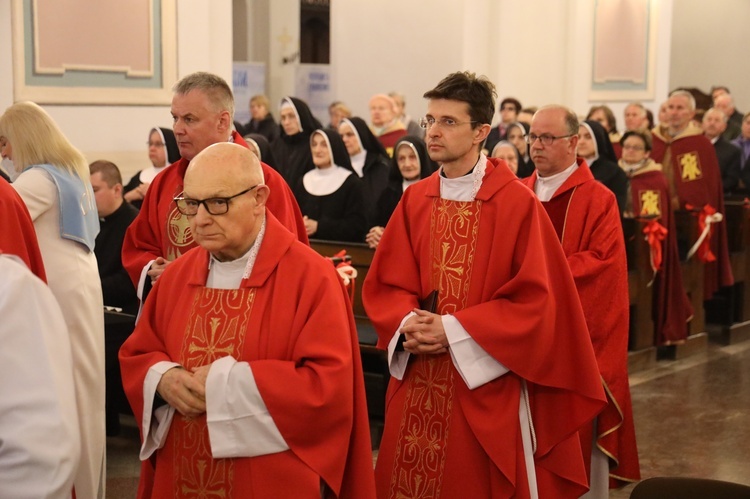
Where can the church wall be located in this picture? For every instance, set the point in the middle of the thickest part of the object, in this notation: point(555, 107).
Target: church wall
point(119, 133)
point(709, 47)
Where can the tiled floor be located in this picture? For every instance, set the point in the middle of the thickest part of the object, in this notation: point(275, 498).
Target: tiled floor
point(692, 419)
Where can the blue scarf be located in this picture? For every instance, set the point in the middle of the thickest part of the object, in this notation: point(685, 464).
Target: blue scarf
point(79, 220)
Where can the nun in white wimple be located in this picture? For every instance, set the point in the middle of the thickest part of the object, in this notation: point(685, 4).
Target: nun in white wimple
point(331, 196)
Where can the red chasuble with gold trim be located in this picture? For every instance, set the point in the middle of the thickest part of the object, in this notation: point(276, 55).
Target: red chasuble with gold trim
point(292, 323)
point(389, 139)
point(694, 178)
point(593, 241)
point(161, 230)
point(18, 236)
point(671, 307)
point(502, 274)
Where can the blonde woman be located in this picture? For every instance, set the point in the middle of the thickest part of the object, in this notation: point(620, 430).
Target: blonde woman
point(54, 183)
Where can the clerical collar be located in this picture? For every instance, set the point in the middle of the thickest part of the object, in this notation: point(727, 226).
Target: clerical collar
point(358, 162)
point(229, 275)
point(463, 188)
point(713, 141)
point(545, 187)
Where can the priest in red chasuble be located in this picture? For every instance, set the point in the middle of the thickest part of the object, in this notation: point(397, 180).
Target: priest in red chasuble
point(692, 170)
point(586, 219)
point(18, 236)
point(244, 368)
point(649, 204)
point(492, 380)
point(202, 111)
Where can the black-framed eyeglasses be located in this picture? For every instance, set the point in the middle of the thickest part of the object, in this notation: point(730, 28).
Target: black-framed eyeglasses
point(214, 206)
point(546, 138)
point(428, 122)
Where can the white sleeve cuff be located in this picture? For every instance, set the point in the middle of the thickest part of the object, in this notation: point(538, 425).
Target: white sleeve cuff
point(239, 424)
point(397, 361)
point(142, 280)
point(473, 363)
point(155, 424)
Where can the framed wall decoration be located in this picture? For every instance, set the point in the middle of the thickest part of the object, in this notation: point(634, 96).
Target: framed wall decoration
point(95, 52)
point(624, 50)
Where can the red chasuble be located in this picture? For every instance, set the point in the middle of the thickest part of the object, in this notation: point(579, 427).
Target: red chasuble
point(671, 307)
point(18, 236)
point(501, 273)
point(291, 321)
point(161, 230)
point(586, 217)
point(692, 170)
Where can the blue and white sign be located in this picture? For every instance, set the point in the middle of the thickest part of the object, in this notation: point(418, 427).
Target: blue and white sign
point(313, 85)
point(248, 79)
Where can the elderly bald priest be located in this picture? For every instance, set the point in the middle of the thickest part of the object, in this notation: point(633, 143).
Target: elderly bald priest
point(244, 365)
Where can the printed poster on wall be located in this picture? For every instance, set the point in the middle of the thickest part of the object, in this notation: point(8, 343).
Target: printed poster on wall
point(248, 79)
point(313, 85)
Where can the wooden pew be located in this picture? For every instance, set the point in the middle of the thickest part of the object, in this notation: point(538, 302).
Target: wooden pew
point(692, 279)
point(374, 361)
point(642, 352)
point(728, 314)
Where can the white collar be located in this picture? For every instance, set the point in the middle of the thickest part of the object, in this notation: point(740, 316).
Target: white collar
point(464, 188)
point(545, 187)
point(358, 162)
point(229, 275)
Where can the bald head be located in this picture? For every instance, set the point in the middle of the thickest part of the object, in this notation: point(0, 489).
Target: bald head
point(225, 182)
point(225, 162)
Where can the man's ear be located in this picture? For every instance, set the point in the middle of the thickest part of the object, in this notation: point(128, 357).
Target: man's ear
point(483, 132)
point(261, 195)
point(225, 121)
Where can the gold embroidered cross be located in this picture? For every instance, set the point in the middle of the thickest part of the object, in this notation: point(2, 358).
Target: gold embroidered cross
point(650, 203)
point(690, 166)
point(211, 347)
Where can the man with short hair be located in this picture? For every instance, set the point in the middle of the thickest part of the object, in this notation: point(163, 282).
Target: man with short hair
point(725, 103)
point(727, 154)
point(202, 112)
point(386, 124)
point(115, 216)
point(692, 170)
point(635, 117)
point(244, 371)
point(471, 295)
point(509, 108)
point(587, 222)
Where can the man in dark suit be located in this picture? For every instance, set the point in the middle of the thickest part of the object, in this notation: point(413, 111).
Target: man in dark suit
point(714, 124)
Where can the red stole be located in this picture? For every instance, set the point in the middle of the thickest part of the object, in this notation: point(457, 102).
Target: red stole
point(429, 409)
point(218, 321)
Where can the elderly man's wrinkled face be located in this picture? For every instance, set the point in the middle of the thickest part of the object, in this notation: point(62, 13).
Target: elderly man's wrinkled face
point(714, 123)
point(508, 153)
point(381, 112)
point(224, 174)
point(679, 112)
point(635, 118)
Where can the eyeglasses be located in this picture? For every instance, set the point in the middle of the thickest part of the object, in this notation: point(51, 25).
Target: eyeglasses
point(508, 107)
point(545, 138)
point(214, 206)
point(155, 144)
point(429, 122)
point(633, 148)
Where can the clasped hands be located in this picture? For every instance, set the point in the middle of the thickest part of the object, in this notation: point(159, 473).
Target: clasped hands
point(424, 333)
point(185, 390)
